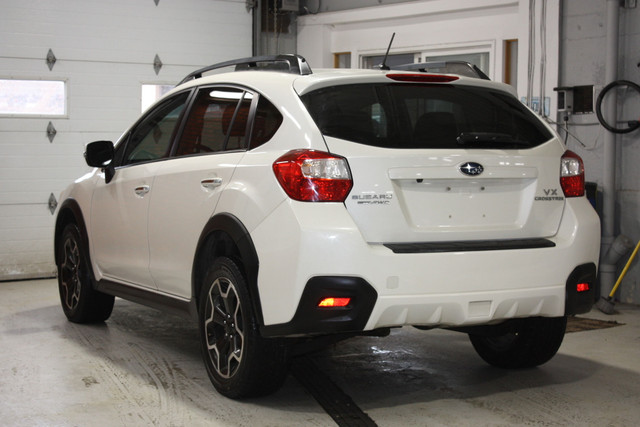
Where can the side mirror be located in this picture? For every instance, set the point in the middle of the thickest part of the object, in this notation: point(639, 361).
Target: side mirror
point(99, 154)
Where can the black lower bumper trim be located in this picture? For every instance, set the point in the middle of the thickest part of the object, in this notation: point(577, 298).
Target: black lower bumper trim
point(578, 302)
point(310, 319)
point(469, 246)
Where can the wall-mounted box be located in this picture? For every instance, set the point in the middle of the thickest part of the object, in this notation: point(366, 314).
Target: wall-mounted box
point(576, 99)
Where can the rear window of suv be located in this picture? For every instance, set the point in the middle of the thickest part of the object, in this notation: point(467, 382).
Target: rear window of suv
point(425, 116)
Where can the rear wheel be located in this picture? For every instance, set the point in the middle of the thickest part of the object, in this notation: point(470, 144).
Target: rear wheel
point(80, 302)
point(528, 343)
point(240, 363)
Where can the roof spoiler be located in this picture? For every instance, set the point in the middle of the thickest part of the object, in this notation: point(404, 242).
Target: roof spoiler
point(461, 68)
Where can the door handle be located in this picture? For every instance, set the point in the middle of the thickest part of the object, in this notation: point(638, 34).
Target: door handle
point(141, 190)
point(211, 183)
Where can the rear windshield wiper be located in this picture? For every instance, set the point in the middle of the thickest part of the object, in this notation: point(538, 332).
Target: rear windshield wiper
point(490, 139)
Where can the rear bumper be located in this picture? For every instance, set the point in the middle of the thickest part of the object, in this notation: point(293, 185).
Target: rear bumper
point(310, 319)
point(449, 289)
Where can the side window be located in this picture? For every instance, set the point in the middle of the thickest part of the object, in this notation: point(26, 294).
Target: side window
point(151, 138)
point(267, 121)
point(217, 122)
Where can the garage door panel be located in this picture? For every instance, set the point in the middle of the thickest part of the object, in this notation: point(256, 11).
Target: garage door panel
point(26, 242)
point(105, 52)
point(123, 30)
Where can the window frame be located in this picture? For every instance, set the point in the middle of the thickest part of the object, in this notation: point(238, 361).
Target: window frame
point(189, 108)
point(123, 143)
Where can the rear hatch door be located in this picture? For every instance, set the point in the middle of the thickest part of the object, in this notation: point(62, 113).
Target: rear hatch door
point(442, 162)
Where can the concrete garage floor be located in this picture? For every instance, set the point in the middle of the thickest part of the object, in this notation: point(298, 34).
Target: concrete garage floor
point(143, 367)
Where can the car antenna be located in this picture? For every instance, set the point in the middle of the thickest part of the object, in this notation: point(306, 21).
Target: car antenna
point(384, 65)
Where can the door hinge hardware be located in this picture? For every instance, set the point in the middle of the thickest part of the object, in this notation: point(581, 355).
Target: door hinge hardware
point(51, 132)
point(51, 60)
point(157, 64)
point(53, 203)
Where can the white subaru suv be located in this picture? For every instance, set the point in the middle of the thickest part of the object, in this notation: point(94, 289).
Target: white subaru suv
point(276, 205)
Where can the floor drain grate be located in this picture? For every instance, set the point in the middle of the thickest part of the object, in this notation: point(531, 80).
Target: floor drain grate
point(579, 324)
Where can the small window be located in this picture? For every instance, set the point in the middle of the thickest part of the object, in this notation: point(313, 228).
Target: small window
point(153, 92)
point(266, 123)
point(480, 59)
point(152, 136)
point(217, 122)
point(32, 98)
point(342, 60)
point(392, 60)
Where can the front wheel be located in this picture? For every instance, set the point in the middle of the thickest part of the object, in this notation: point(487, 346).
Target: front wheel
point(81, 303)
point(527, 343)
point(240, 363)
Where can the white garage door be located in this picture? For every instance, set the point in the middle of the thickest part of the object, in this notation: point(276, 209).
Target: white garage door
point(105, 51)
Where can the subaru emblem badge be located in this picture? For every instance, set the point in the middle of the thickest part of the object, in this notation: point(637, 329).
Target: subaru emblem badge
point(471, 168)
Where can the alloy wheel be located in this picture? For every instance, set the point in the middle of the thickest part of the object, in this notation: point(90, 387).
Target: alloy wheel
point(70, 272)
point(224, 327)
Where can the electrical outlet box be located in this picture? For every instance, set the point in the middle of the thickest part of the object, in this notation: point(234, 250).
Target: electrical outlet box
point(565, 99)
point(576, 99)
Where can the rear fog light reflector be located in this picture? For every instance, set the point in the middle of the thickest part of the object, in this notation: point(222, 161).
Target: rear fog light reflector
point(582, 287)
point(334, 302)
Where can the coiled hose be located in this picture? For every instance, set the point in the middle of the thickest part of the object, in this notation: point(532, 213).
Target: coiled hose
point(632, 124)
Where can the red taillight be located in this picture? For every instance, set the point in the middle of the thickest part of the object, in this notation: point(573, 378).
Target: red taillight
point(582, 287)
point(422, 78)
point(334, 302)
point(313, 176)
point(572, 175)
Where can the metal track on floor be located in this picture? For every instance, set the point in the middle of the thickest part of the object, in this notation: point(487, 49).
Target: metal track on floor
point(335, 402)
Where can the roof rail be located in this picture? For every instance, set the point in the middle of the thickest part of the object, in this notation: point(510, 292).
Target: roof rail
point(461, 68)
point(289, 63)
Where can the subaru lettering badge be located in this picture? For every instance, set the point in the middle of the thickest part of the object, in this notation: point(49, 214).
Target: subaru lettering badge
point(471, 168)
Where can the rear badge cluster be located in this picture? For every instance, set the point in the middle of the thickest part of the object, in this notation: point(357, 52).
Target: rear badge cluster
point(373, 199)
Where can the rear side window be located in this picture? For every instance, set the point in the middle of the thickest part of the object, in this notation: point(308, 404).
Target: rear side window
point(267, 121)
point(217, 122)
point(425, 116)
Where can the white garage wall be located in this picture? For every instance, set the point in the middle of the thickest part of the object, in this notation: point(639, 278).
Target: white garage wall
point(105, 51)
point(437, 27)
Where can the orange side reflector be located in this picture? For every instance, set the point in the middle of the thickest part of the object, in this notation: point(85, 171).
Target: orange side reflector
point(334, 302)
point(582, 287)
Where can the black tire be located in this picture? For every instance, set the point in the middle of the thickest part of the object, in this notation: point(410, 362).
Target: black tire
point(81, 303)
point(529, 342)
point(239, 361)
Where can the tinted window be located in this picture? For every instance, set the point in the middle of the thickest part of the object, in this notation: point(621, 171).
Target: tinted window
point(151, 138)
point(217, 122)
point(266, 123)
point(425, 116)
